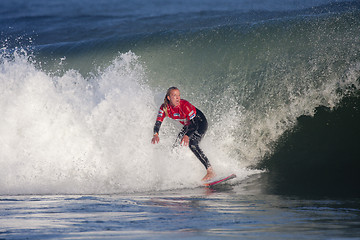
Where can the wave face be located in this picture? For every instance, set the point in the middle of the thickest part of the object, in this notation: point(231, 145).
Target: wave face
point(77, 110)
point(320, 156)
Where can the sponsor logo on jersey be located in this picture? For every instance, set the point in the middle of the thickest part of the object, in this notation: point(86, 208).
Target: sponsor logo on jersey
point(191, 114)
point(176, 114)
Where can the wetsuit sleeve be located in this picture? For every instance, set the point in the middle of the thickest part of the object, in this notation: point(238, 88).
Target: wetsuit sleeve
point(159, 119)
point(157, 127)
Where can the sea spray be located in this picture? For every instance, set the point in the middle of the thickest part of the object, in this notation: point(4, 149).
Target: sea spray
point(44, 142)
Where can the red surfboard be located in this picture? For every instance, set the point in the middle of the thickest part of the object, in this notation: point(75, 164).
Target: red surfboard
point(213, 182)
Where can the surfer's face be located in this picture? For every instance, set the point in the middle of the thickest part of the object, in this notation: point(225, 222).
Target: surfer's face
point(174, 97)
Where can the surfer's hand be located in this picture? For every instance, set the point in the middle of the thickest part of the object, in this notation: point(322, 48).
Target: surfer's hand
point(155, 139)
point(185, 141)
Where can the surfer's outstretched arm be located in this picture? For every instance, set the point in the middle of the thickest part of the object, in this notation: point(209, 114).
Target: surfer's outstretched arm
point(156, 138)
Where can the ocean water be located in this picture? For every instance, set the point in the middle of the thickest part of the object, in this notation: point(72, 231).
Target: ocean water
point(80, 86)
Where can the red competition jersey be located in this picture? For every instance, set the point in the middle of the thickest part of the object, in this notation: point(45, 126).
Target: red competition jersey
point(182, 113)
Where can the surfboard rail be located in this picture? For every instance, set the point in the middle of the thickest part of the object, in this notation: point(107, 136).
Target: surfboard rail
point(213, 182)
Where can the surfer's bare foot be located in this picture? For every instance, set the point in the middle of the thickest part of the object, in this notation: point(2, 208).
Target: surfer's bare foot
point(209, 175)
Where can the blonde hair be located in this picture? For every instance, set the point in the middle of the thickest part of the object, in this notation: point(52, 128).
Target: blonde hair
point(167, 101)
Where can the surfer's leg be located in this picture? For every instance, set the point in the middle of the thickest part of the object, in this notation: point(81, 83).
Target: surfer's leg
point(194, 147)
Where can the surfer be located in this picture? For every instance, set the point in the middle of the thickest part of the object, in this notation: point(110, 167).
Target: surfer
point(194, 121)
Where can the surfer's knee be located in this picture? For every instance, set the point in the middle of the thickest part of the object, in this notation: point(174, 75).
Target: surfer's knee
point(193, 144)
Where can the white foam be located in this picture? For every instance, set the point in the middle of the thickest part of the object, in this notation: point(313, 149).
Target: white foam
point(68, 134)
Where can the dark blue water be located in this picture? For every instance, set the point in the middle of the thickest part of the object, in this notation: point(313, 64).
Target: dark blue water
point(185, 214)
point(80, 85)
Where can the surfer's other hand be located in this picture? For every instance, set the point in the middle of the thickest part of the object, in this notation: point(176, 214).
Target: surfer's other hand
point(185, 141)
